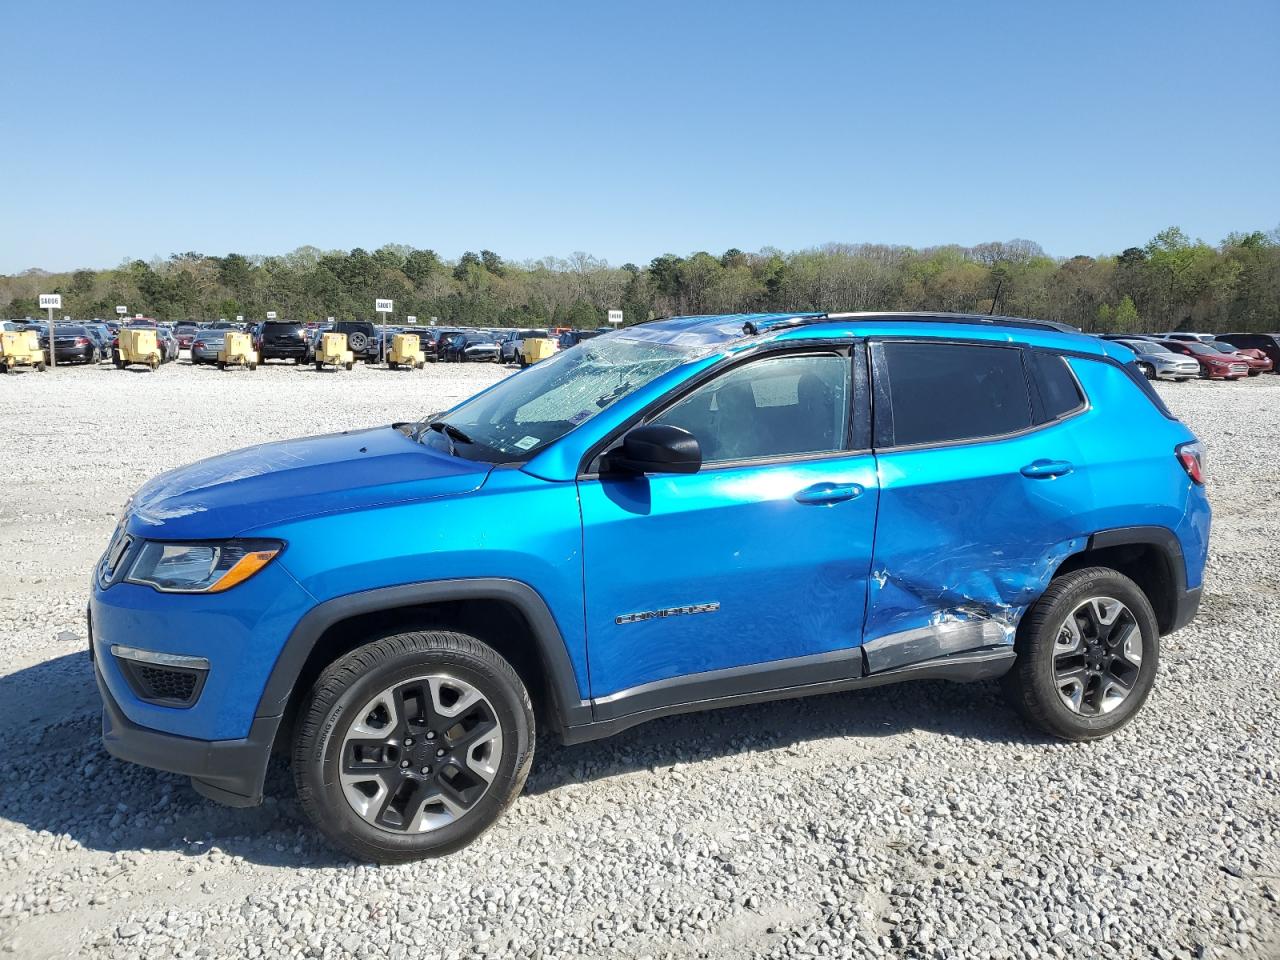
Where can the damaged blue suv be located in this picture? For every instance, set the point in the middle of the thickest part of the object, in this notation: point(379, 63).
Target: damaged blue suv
point(689, 513)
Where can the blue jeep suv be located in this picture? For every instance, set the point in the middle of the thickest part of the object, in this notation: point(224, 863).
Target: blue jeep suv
point(688, 513)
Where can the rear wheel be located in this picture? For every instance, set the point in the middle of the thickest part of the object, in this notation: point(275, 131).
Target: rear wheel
point(319, 365)
point(1087, 655)
point(411, 746)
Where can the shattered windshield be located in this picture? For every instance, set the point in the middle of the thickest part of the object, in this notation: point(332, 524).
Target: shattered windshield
point(531, 409)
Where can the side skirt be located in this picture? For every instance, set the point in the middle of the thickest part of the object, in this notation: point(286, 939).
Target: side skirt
point(732, 688)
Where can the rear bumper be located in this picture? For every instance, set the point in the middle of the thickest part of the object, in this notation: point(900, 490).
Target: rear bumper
point(229, 771)
point(283, 351)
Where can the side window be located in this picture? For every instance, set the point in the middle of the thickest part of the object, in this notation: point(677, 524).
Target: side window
point(773, 407)
point(940, 392)
point(1059, 392)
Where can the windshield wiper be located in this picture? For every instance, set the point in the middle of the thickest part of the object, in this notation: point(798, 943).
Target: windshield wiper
point(451, 431)
point(451, 434)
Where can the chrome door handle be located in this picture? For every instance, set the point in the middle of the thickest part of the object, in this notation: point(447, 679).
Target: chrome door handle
point(829, 493)
point(1042, 469)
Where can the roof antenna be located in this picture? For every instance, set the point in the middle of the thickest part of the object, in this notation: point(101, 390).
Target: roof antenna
point(996, 298)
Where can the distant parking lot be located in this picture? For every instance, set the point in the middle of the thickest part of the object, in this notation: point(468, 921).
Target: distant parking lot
point(921, 821)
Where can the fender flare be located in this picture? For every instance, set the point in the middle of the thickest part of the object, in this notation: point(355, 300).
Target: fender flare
point(1185, 601)
point(567, 707)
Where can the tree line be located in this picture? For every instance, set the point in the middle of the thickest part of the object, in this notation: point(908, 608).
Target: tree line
point(1171, 282)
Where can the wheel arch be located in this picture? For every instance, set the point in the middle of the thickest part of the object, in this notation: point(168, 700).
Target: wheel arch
point(1151, 557)
point(507, 614)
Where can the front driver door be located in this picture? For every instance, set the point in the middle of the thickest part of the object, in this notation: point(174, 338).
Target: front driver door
point(698, 584)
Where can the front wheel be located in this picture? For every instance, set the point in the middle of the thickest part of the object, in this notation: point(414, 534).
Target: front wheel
point(1148, 370)
point(412, 745)
point(1087, 655)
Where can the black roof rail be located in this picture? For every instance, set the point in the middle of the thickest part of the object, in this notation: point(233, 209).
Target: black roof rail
point(750, 329)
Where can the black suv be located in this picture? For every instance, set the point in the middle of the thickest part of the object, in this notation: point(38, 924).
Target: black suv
point(364, 339)
point(281, 340)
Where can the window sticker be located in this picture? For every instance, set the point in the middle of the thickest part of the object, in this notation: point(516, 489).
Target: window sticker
point(525, 443)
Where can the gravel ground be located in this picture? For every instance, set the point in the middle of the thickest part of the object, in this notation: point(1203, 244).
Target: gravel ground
point(920, 821)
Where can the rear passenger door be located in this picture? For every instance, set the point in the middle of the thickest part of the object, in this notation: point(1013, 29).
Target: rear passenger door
point(981, 493)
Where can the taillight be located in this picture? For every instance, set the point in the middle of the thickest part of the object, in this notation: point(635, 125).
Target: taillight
point(1191, 456)
point(198, 343)
point(82, 341)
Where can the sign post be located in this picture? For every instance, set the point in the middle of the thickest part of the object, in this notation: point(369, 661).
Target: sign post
point(51, 302)
point(383, 307)
point(615, 317)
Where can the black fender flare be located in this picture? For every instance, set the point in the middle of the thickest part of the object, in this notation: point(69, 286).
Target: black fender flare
point(1186, 601)
point(567, 706)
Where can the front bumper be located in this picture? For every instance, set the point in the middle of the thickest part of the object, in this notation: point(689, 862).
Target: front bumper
point(229, 771)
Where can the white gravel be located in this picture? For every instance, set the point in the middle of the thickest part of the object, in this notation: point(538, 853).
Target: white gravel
point(916, 821)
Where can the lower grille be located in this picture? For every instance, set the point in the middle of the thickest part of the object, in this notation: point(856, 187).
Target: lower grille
point(160, 683)
point(162, 678)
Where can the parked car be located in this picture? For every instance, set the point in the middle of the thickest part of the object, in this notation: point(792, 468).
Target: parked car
point(102, 337)
point(1046, 524)
point(468, 346)
point(1267, 343)
point(282, 340)
point(185, 334)
point(1159, 362)
point(434, 342)
point(206, 347)
point(1258, 361)
point(1213, 364)
point(168, 344)
point(573, 337)
point(1189, 337)
point(72, 343)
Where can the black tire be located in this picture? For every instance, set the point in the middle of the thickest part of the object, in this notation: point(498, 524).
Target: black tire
point(350, 366)
point(222, 365)
point(391, 364)
point(358, 341)
point(1148, 371)
point(1031, 685)
point(319, 365)
point(348, 684)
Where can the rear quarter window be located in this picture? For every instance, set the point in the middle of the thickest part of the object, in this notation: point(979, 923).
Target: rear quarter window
point(1059, 393)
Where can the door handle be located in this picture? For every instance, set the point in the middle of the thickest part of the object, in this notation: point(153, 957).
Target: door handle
point(829, 493)
point(1043, 469)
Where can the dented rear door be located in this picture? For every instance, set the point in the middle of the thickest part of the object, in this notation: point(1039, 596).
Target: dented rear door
point(969, 530)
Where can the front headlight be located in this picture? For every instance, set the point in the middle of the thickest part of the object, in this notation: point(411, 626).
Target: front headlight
point(201, 566)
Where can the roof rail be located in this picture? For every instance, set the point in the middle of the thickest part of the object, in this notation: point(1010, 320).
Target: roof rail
point(751, 329)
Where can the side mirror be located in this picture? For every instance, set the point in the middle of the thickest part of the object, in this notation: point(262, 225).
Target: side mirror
point(655, 448)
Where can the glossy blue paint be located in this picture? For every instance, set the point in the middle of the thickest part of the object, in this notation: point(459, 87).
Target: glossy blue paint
point(357, 470)
point(932, 537)
point(790, 577)
point(240, 632)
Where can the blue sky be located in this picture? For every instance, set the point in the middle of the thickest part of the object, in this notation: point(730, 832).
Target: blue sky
point(630, 129)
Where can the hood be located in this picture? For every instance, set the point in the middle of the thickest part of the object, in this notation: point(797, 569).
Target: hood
point(292, 479)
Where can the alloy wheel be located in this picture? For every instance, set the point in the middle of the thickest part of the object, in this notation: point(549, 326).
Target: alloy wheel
point(420, 754)
point(1097, 656)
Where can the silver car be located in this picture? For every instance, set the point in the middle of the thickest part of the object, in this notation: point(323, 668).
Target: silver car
point(207, 345)
point(1158, 362)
